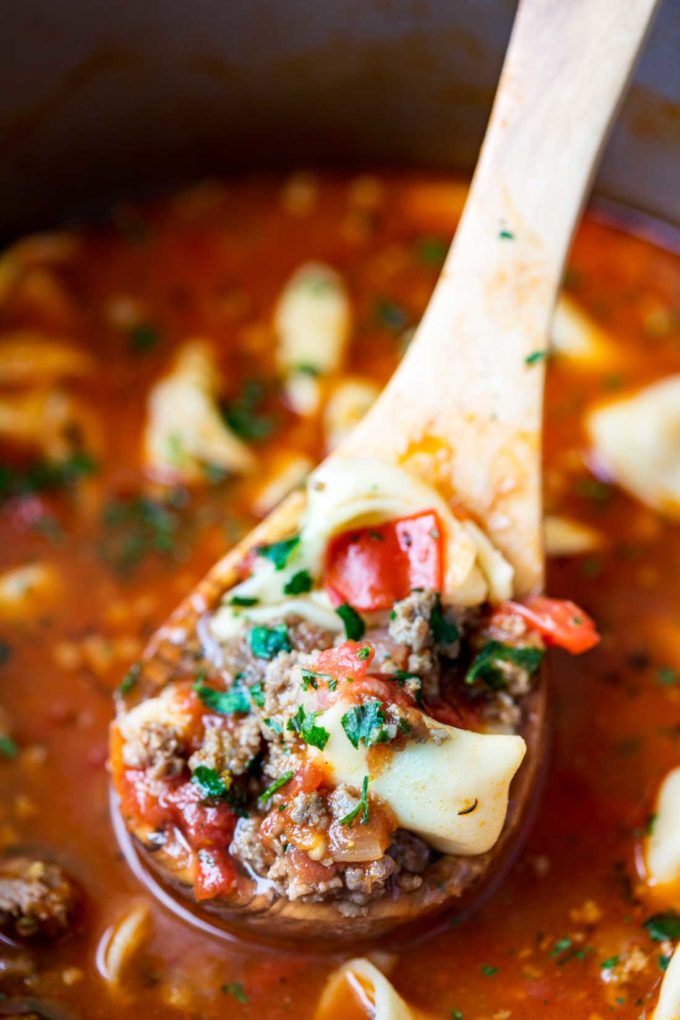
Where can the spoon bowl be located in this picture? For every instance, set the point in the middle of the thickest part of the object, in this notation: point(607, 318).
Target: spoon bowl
point(462, 414)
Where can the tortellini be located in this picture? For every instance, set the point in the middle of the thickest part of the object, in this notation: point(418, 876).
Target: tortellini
point(359, 988)
point(312, 320)
point(185, 435)
point(662, 845)
point(577, 337)
point(29, 358)
point(637, 441)
point(450, 788)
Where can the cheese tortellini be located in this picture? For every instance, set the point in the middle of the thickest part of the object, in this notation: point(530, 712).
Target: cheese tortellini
point(359, 988)
point(637, 441)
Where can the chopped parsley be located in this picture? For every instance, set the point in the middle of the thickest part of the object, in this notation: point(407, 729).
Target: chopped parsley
point(236, 699)
point(594, 490)
point(143, 338)
point(664, 927)
point(432, 251)
point(129, 681)
point(278, 553)
point(137, 527)
point(485, 664)
point(5, 652)
point(535, 357)
point(299, 583)
point(268, 642)
point(273, 725)
point(667, 676)
point(245, 416)
point(236, 990)
point(257, 694)
point(488, 970)
point(361, 808)
point(276, 785)
point(354, 625)
point(506, 235)
point(242, 600)
point(456, 1014)
point(304, 724)
point(366, 722)
point(364, 653)
point(444, 631)
point(8, 748)
point(310, 678)
point(210, 782)
point(45, 476)
point(390, 315)
point(610, 963)
point(561, 946)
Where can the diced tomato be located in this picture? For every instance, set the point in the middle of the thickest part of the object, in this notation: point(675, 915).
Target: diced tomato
point(308, 872)
point(350, 659)
point(559, 621)
point(308, 778)
point(372, 568)
point(204, 823)
point(215, 873)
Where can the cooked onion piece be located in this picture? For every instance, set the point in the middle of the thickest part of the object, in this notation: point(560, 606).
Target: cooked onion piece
point(27, 591)
point(668, 1006)
point(565, 536)
point(358, 989)
point(662, 845)
point(49, 422)
point(121, 941)
point(185, 435)
point(30, 358)
point(576, 336)
point(345, 408)
point(637, 440)
point(449, 786)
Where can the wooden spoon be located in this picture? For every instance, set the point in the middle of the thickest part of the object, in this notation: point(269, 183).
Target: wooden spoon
point(463, 410)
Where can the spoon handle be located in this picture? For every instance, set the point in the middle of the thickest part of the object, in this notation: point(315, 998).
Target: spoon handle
point(464, 408)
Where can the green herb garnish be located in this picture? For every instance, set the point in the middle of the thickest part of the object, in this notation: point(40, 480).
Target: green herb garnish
point(244, 416)
point(667, 676)
point(210, 781)
point(432, 251)
point(362, 807)
point(45, 476)
point(365, 722)
point(8, 748)
point(268, 642)
point(304, 724)
point(257, 694)
point(278, 553)
point(610, 963)
point(129, 681)
point(488, 970)
point(535, 357)
point(354, 625)
point(225, 702)
point(236, 990)
point(485, 665)
point(242, 600)
point(364, 653)
point(444, 631)
point(276, 785)
point(143, 338)
point(299, 583)
point(664, 927)
point(506, 235)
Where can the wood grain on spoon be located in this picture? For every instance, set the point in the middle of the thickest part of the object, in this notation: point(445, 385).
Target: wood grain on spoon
point(464, 409)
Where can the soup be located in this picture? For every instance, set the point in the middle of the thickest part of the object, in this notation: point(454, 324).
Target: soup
point(108, 519)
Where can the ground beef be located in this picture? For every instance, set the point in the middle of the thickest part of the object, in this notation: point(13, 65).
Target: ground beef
point(157, 748)
point(37, 899)
point(502, 714)
point(410, 852)
point(308, 809)
point(283, 687)
point(228, 746)
point(410, 620)
point(247, 846)
point(288, 880)
point(279, 759)
point(366, 881)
